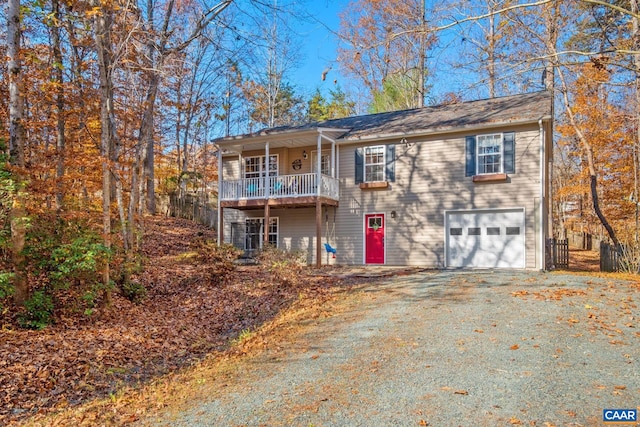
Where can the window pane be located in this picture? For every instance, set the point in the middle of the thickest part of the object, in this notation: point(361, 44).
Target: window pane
point(374, 163)
point(374, 173)
point(473, 231)
point(325, 164)
point(455, 231)
point(255, 167)
point(252, 167)
point(489, 154)
point(273, 165)
point(513, 231)
point(493, 231)
point(255, 232)
point(375, 222)
point(273, 231)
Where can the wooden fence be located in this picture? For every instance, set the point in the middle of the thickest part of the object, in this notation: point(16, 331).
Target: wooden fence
point(558, 253)
point(193, 208)
point(583, 240)
point(610, 257)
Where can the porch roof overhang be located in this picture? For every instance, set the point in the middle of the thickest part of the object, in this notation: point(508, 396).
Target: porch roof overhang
point(288, 138)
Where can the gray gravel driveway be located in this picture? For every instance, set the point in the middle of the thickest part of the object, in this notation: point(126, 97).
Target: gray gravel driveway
point(480, 348)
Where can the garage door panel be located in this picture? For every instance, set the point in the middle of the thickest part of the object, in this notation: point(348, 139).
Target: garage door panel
point(485, 239)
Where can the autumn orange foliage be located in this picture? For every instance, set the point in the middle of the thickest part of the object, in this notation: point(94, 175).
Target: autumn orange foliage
point(608, 128)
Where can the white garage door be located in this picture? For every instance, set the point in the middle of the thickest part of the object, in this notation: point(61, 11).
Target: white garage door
point(485, 239)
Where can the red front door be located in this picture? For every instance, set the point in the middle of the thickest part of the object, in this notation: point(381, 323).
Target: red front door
point(374, 239)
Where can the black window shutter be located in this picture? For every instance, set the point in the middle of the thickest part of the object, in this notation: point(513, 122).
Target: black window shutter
point(359, 165)
point(509, 149)
point(390, 170)
point(470, 156)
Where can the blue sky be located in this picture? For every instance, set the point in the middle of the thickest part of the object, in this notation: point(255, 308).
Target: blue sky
point(319, 51)
point(319, 46)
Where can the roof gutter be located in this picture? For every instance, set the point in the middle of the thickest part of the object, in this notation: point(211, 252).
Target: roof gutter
point(277, 135)
point(354, 140)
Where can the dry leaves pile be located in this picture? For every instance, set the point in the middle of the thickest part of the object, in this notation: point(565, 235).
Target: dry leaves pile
point(183, 318)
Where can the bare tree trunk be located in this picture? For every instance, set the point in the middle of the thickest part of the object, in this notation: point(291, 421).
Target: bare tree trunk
point(124, 227)
point(422, 67)
point(102, 22)
point(158, 52)
point(552, 13)
point(17, 138)
point(491, 51)
point(78, 81)
point(60, 124)
point(134, 198)
point(146, 137)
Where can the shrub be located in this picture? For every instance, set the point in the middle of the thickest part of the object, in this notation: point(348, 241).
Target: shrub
point(284, 267)
point(6, 288)
point(629, 261)
point(39, 311)
point(133, 291)
point(80, 261)
point(218, 261)
point(70, 257)
point(7, 192)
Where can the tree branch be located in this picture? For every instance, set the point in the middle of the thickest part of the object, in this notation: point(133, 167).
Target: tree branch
point(202, 23)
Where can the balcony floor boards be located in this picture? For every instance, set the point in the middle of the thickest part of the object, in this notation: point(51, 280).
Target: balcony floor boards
point(285, 202)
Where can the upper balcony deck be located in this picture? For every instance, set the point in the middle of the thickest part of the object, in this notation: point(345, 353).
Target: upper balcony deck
point(282, 190)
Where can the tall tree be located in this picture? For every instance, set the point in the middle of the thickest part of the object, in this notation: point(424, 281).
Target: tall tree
point(103, 21)
point(273, 55)
point(607, 156)
point(482, 43)
point(338, 106)
point(287, 108)
point(159, 46)
point(383, 39)
point(58, 67)
point(17, 147)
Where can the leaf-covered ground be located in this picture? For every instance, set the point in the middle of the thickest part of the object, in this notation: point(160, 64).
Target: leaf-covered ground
point(184, 318)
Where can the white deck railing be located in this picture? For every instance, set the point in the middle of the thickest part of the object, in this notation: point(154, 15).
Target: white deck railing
point(297, 185)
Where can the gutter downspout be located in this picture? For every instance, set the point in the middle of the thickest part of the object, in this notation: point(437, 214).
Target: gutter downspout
point(542, 197)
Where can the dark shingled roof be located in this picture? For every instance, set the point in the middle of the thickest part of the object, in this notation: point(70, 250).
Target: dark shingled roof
point(529, 107)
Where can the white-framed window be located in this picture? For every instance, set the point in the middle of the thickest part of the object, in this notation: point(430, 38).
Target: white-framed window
point(489, 152)
point(325, 162)
point(374, 222)
point(254, 232)
point(374, 163)
point(255, 166)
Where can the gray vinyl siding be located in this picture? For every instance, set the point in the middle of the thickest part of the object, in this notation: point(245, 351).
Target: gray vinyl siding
point(231, 168)
point(297, 232)
point(430, 180)
point(231, 216)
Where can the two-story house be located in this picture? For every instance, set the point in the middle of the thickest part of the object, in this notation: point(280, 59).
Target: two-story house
point(455, 185)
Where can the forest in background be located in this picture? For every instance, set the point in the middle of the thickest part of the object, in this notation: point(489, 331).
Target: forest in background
point(108, 104)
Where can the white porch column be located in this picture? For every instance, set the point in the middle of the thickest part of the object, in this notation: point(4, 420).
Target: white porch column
point(220, 213)
point(266, 173)
point(319, 165)
point(319, 204)
point(267, 183)
point(333, 159)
